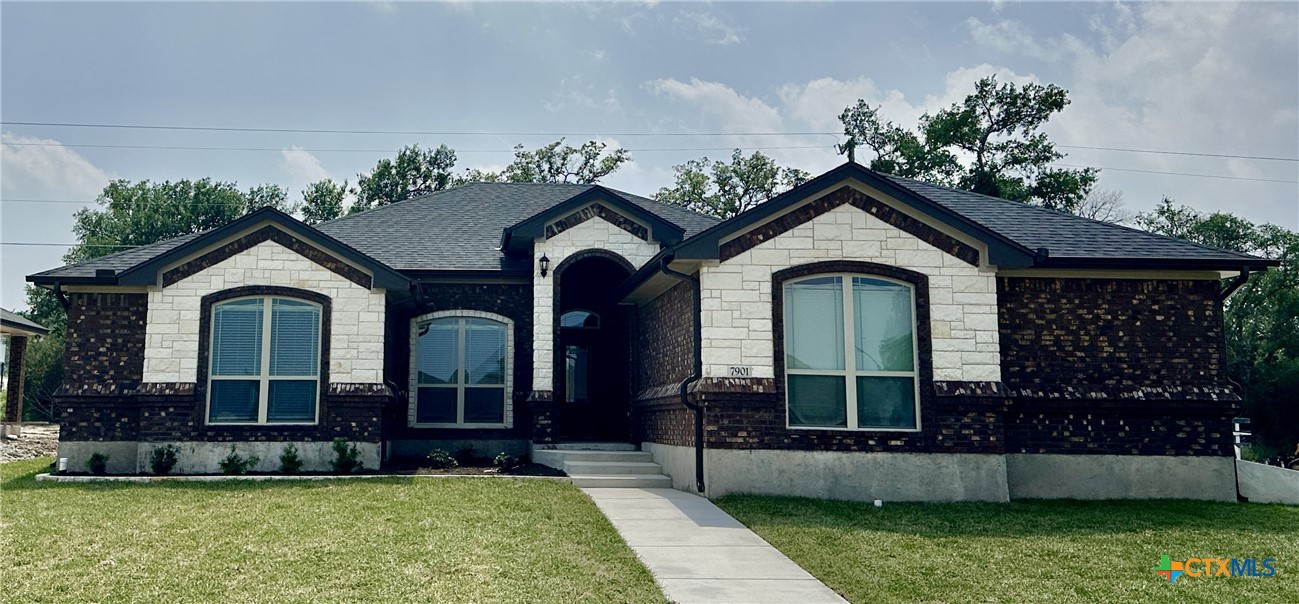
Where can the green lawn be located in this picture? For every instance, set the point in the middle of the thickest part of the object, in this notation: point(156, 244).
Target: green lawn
point(1035, 551)
point(373, 540)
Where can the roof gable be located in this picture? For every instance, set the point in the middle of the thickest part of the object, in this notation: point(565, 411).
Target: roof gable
point(141, 266)
point(594, 202)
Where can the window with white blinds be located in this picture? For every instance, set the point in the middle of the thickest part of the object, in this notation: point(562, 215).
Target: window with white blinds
point(460, 371)
point(265, 362)
point(850, 353)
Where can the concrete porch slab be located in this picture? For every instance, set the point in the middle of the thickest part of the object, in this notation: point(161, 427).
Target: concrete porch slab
point(699, 554)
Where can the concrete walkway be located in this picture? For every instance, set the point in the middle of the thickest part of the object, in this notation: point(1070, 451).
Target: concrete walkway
point(699, 554)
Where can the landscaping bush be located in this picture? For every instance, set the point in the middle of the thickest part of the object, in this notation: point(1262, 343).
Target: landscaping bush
point(346, 458)
point(441, 460)
point(234, 464)
point(97, 464)
point(506, 462)
point(290, 463)
point(163, 459)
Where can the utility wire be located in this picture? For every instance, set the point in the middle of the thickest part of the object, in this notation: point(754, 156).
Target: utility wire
point(102, 245)
point(277, 149)
point(507, 133)
point(1193, 175)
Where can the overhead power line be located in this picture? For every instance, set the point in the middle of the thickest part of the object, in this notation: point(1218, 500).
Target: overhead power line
point(1190, 174)
point(278, 149)
point(575, 133)
point(38, 244)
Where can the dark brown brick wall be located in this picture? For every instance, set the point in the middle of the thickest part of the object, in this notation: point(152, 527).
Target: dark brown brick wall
point(664, 351)
point(15, 367)
point(1116, 334)
point(1114, 366)
point(104, 350)
point(513, 300)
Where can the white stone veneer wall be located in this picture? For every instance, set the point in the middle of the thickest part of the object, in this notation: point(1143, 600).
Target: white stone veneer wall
point(595, 233)
point(737, 320)
point(356, 324)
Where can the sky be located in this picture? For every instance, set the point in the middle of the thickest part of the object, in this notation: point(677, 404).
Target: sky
point(667, 81)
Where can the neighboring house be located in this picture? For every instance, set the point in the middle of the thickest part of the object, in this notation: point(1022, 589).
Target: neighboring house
point(861, 336)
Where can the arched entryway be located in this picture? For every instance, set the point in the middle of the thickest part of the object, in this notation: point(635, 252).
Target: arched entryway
point(591, 390)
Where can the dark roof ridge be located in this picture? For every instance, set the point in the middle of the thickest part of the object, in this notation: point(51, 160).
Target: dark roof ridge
point(1063, 213)
point(625, 195)
point(389, 205)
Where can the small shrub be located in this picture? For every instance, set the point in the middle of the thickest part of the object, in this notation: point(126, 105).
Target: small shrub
point(441, 460)
point(506, 462)
point(290, 463)
point(163, 459)
point(1257, 452)
point(466, 455)
point(346, 458)
point(97, 464)
point(234, 464)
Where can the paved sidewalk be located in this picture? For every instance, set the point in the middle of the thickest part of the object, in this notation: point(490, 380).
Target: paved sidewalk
point(699, 554)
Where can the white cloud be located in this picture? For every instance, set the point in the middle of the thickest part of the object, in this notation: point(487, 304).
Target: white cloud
point(575, 92)
point(1008, 35)
point(711, 27)
point(33, 166)
point(39, 168)
point(596, 55)
point(301, 166)
point(736, 112)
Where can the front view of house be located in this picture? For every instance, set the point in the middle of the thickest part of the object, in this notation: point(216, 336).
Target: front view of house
point(860, 337)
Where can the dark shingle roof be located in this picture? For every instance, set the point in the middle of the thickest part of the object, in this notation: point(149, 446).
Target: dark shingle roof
point(1064, 235)
point(117, 261)
point(460, 228)
point(13, 322)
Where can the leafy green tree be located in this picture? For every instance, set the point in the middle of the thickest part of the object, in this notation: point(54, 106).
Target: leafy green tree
point(323, 200)
point(412, 173)
point(1261, 319)
point(723, 189)
point(558, 162)
point(990, 143)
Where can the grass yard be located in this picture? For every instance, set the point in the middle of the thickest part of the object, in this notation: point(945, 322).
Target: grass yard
point(373, 540)
point(1036, 551)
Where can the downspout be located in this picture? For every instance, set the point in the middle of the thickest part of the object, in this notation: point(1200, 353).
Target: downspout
point(684, 389)
point(61, 297)
point(1231, 288)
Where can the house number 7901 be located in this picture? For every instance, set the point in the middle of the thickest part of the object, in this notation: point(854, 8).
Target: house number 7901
point(741, 372)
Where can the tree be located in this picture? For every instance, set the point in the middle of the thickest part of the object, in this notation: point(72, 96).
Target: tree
point(558, 162)
point(1105, 205)
point(323, 200)
point(128, 215)
point(1261, 319)
point(722, 189)
point(990, 143)
point(412, 173)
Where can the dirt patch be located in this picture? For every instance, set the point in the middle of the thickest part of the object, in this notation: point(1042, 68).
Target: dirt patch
point(38, 440)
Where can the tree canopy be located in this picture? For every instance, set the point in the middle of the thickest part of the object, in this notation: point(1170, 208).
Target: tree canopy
point(722, 189)
point(323, 200)
point(990, 143)
point(413, 172)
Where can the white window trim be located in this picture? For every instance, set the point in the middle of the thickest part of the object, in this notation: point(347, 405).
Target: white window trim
point(850, 372)
point(264, 377)
point(412, 397)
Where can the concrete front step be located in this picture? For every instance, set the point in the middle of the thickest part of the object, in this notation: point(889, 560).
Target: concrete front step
point(627, 481)
point(556, 459)
point(590, 447)
point(603, 468)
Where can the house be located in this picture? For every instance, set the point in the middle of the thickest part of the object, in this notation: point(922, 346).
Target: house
point(861, 336)
point(17, 330)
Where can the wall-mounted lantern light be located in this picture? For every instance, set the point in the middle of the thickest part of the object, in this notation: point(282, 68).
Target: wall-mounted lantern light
point(545, 264)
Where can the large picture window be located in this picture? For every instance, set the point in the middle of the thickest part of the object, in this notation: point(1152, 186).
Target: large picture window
point(460, 372)
point(264, 362)
point(850, 353)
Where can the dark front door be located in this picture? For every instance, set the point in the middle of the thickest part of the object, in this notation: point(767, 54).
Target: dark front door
point(591, 372)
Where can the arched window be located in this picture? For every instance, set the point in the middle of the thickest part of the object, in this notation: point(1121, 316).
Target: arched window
point(264, 361)
point(581, 319)
point(460, 372)
point(850, 353)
